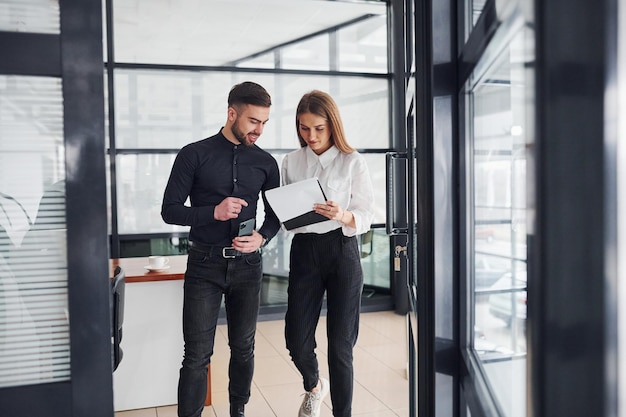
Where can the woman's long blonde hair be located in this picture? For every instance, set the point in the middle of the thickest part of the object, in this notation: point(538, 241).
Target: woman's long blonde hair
point(322, 104)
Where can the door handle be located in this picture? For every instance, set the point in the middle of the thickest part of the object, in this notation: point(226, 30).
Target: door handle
point(396, 193)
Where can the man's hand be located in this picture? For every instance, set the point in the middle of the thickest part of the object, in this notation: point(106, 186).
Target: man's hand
point(247, 244)
point(229, 208)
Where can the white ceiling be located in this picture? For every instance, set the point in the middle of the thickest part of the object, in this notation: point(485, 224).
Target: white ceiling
point(215, 32)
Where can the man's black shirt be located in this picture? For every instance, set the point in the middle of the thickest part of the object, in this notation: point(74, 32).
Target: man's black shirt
point(210, 170)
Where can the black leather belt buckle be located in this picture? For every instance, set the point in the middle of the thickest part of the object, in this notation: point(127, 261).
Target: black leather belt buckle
point(229, 253)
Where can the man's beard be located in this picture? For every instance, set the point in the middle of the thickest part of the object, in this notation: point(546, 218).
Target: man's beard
point(240, 136)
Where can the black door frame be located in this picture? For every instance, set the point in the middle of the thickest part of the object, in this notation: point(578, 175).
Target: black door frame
point(572, 281)
point(572, 269)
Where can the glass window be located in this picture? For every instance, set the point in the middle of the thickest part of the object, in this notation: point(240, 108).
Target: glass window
point(375, 261)
point(621, 198)
point(376, 166)
point(158, 111)
point(310, 54)
point(188, 32)
point(266, 61)
point(363, 46)
point(356, 47)
point(32, 16)
point(141, 180)
point(168, 109)
point(475, 9)
point(155, 109)
point(500, 115)
point(374, 248)
point(34, 326)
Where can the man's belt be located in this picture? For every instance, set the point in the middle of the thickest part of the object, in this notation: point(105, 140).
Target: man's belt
point(226, 252)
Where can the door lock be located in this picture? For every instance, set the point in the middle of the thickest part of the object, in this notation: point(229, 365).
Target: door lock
point(396, 258)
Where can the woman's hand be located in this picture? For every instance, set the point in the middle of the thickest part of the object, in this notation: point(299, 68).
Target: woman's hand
point(333, 211)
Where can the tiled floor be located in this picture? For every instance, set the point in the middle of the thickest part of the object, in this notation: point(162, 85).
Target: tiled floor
point(380, 363)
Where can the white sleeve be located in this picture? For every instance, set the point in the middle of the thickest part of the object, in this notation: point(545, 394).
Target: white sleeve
point(361, 199)
point(283, 171)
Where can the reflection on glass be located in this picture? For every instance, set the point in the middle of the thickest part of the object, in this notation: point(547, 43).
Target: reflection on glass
point(31, 16)
point(499, 103)
point(34, 326)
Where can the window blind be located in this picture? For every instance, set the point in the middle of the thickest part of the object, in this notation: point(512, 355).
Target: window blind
point(34, 319)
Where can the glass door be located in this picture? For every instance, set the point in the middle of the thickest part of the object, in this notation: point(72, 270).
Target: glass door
point(497, 121)
point(468, 135)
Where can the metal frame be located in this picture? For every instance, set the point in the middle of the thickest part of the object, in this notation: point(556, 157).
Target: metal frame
point(573, 349)
point(30, 54)
point(89, 289)
point(421, 163)
point(475, 56)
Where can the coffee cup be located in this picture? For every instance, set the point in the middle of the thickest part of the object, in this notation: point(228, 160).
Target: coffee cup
point(158, 262)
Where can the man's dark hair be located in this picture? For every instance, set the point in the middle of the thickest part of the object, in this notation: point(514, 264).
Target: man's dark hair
point(249, 93)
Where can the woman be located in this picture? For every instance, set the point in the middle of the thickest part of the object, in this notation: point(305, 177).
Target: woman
point(325, 256)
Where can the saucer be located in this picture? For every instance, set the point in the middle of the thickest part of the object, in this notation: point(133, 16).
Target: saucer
point(162, 268)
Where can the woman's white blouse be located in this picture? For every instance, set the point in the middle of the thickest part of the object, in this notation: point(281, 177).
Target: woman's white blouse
point(345, 180)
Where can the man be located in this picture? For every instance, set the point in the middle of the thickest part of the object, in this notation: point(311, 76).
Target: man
point(222, 176)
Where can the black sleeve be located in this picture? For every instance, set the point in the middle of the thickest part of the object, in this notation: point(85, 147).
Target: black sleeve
point(179, 185)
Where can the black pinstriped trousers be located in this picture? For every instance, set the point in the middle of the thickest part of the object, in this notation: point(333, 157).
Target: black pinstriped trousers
point(325, 263)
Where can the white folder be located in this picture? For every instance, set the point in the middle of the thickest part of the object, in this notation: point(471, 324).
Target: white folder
point(293, 203)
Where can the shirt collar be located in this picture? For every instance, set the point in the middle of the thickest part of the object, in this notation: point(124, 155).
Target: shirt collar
point(229, 143)
point(324, 159)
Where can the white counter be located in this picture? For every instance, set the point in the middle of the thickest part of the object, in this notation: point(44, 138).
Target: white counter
point(153, 346)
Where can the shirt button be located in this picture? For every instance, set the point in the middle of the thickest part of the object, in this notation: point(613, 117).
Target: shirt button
point(235, 180)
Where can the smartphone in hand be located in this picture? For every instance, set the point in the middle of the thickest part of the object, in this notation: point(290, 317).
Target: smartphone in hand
point(246, 227)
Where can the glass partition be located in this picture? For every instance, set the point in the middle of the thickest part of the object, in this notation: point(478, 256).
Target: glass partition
point(32, 16)
point(157, 109)
point(188, 32)
point(474, 11)
point(169, 87)
point(621, 198)
point(34, 321)
point(499, 105)
point(141, 180)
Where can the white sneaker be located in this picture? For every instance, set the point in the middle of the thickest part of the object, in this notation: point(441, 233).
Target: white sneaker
point(313, 400)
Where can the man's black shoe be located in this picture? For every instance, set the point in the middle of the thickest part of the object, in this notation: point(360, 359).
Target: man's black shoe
point(236, 410)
